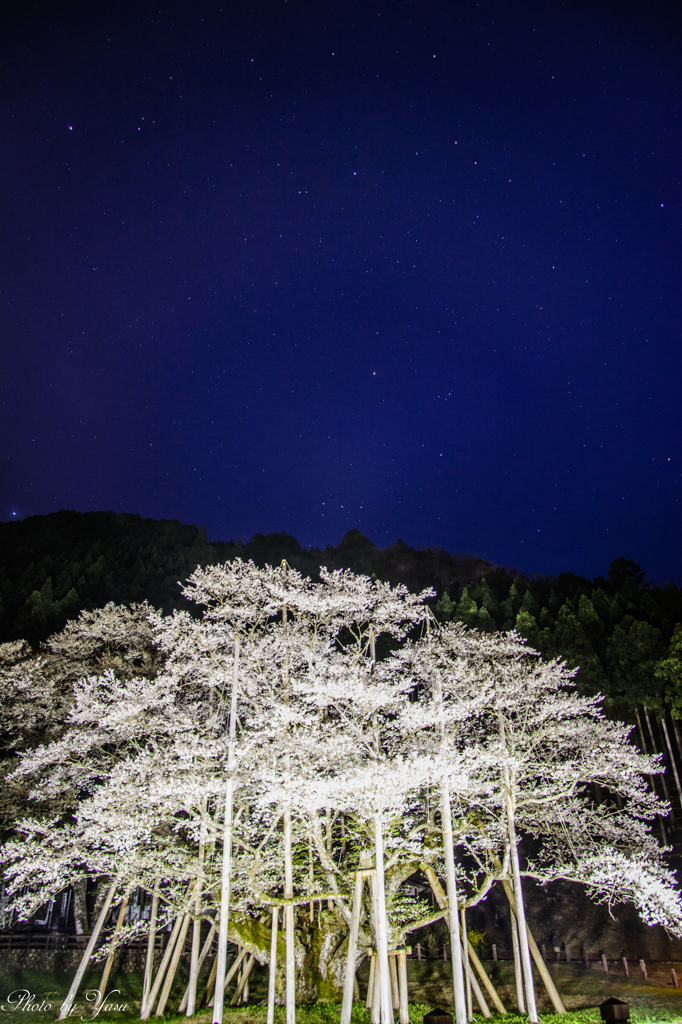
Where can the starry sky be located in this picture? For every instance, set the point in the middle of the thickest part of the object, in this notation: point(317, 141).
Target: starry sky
point(411, 267)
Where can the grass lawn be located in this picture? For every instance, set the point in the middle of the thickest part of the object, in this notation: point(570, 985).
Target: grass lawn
point(430, 986)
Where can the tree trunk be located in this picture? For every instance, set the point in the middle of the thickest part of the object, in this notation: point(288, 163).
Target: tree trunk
point(673, 765)
point(651, 778)
point(662, 776)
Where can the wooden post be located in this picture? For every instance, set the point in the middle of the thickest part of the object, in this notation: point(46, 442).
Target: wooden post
point(453, 918)
point(568, 954)
point(518, 976)
point(89, 950)
point(625, 967)
point(535, 952)
point(604, 963)
point(170, 977)
point(226, 872)
point(348, 984)
point(402, 979)
point(149, 962)
point(230, 974)
point(110, 959)
point(543, 949)
point(471, 983)
point(272, 974)
point(492, 992)
point(673, 975)
point(146, 1008)
point(442, 902)
point(381, 923)
point(642, 967)
point(494, 952)
point(244, 980)
point(204, 953)
point(395, 993)
point(419, 951)
point(194, 965)
point(369, 1002)
point(467, 970)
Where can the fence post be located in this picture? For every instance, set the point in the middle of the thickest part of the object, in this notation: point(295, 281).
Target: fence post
point(544, 952)
point(642, 967)
point(604, 963)
point(673, 975)
point(625, 967)
point(568, 954)
point(494, 952)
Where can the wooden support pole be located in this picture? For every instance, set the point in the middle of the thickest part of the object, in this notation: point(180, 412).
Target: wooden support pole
point(101, 992)
point(376, 993)
point(89, 950)
point(200, 963)
point(518, 974)
point(243, 981)
point(370, 984)
point(231, 973)
point(226, 867)
point(535, 953)
point(170, 977)
point(348, 982)
point(467, 969)
point(146, 1008)
point(490, 988)
point(151, 940)
point(404, 1006)
point(395, 993)
point(272, 974)
point(442, 902)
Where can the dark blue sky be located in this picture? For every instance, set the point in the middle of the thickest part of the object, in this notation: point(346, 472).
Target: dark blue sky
point(407, 267)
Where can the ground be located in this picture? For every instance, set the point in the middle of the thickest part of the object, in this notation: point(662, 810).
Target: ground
point(582, 991)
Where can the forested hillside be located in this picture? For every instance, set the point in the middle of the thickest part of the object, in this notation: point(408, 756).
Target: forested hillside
point(616, 628)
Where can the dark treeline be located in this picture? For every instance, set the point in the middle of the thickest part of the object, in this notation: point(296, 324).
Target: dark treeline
point(617, 628)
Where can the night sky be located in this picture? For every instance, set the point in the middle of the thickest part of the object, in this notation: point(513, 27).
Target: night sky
point(411, 267)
